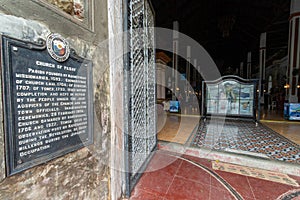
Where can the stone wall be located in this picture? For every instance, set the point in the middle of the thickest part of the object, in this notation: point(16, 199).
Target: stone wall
point(82, 174)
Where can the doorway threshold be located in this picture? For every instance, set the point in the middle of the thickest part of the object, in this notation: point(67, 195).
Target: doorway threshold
point(233, 158)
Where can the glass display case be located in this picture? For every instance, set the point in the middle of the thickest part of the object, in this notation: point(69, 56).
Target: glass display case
point(230, 95)
point(292, 111)
point(174, 106)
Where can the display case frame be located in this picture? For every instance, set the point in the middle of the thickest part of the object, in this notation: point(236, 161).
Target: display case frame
point(230, 96)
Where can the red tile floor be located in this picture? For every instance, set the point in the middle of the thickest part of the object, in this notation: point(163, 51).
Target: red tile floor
point(169, 176)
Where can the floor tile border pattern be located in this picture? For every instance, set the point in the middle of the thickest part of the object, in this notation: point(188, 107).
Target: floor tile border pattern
point(249, 137)
point(255, 173)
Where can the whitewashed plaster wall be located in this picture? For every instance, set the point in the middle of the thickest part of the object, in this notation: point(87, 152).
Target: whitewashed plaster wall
point(116, 49)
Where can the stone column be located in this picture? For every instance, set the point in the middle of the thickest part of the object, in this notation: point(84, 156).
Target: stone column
point(188, 73)
point(195, 74)
point(175, 58)
point(242, 69)
point(294, 53)
point(249, 65)
point(163, 81)
point(161, 64)
point(262, 64)
point(158, 80)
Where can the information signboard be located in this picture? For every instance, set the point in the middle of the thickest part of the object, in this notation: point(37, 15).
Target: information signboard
point(48, 103)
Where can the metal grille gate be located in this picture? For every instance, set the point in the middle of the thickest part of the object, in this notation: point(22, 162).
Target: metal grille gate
point(140, 96)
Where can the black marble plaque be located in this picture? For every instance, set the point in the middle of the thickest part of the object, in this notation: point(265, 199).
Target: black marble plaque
point(48, 105)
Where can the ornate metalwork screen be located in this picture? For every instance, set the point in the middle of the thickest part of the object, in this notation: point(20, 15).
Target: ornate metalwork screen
point(140, 93)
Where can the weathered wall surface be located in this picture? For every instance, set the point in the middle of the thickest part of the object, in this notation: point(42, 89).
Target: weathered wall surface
point(83, 174)
point(115, 21)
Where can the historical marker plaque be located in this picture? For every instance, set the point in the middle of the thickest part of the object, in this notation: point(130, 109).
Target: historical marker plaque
point(48, 105)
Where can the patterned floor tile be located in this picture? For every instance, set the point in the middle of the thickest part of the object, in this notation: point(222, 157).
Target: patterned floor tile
point(245, 136)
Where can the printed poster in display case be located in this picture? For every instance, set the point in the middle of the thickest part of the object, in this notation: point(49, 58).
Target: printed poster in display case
point(230, 95)
point(246, 99)
point(213, 92)
point(212, 100)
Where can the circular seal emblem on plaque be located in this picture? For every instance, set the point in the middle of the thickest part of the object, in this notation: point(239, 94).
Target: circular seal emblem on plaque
point(58, 47)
